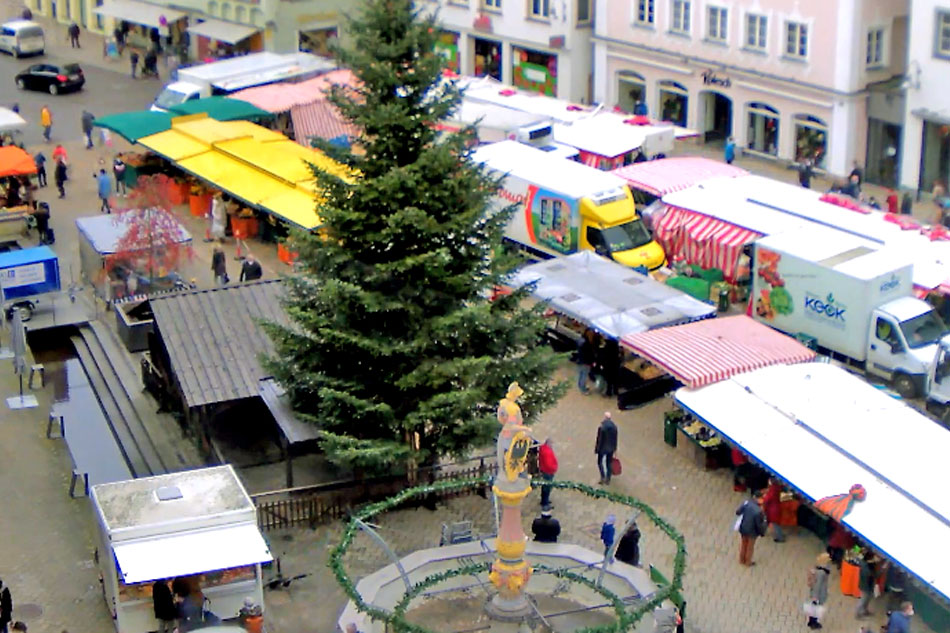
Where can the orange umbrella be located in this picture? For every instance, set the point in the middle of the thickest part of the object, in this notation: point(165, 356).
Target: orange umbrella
point(15, 162)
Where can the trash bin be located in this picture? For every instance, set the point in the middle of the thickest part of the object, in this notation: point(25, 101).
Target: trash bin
point(669, 429)
point(723, 299)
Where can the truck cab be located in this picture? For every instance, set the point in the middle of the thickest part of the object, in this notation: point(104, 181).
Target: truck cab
point(903, 342)
point(938, 382)
point(606, 229)
point(176, 93)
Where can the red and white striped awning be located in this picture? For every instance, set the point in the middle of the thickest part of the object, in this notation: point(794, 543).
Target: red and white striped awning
point(702, 240)
point(660, 177)
point(708, 351)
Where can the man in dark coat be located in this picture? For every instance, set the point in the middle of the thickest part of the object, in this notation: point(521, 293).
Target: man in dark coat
point(164, 607)
point(628, 549)
point(867, 573)
point(752, 525)
point(59, 175)
point(605, 446)
point(546, 528)
point(88, 118)
point(251, 269)
point(219, 266)
point(6, 608)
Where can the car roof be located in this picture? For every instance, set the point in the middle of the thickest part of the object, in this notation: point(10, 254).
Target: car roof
point(19, 24)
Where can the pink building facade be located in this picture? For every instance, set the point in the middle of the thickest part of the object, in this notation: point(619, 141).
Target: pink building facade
point(786, 79)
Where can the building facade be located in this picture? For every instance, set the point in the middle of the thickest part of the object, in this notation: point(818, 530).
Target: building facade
point(537, 45)
point(280, 26)
point(787, 80)
point(926, 139)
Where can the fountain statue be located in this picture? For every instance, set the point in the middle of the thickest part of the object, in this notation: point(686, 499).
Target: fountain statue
point(510, 571)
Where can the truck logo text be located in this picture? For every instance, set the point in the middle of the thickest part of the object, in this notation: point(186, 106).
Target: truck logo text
point(828, 310)
point(510, 196)
point(891, 284)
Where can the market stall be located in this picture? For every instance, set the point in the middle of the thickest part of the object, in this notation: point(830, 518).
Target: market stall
point(198, 527)
point(822, 430)
point(132, 252)
point(221, 109)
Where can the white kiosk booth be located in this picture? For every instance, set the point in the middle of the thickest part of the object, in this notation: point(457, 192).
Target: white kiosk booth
point(198, 525)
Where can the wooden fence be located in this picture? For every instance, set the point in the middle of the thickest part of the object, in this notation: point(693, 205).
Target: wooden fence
point(315, 505)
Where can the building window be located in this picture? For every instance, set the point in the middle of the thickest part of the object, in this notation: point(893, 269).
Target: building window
point(681, 16)
point(645, 12)
point(583, 11)
point(762, 133)
point(674, 100)
point(540, 9)
point(942, 45)
point(874, 55)
point(811, 139)
point(534, 71)
point(631, 90)
point(796, 39)
point(717, 28)
point(494, 5)
point(756, 31)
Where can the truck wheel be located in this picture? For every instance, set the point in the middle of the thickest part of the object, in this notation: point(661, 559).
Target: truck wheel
point(905, 386)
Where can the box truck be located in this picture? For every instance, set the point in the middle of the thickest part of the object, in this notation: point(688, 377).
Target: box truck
point(853, 297)
point(230, 75)
point(564, 206)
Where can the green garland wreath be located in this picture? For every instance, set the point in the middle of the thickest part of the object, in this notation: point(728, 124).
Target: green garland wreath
point(625, 618)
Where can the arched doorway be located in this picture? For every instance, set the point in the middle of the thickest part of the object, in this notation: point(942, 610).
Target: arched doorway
point(631, 89)
point(715, 117)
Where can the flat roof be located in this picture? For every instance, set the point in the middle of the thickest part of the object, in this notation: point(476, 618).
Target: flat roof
point(822, 429)
point(205, 492)
point(550, 172)
point(849, 255)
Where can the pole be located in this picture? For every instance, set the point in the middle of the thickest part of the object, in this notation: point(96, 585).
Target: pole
point(392, 555)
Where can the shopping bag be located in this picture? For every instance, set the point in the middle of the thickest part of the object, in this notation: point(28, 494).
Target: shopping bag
point(616, 467)
point(737, 524)
point(814, 610)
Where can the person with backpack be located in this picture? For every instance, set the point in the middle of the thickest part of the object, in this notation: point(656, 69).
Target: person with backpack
point(818, 590)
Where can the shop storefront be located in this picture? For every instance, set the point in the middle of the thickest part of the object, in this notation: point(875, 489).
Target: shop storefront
point(448, 47)
point(674, 102)
point(317, 40)
point(763, 126)
point(534, 71)
point(488, 58)
point(935, 155)
point(811, 139)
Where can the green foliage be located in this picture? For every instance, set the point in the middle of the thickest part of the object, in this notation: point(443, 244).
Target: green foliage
point(395, 350)
point(626, 618)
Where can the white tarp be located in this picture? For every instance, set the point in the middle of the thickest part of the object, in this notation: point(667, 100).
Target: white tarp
point(822, 429)
point(187, 553)
point(222, 31)
point(10, 120)
point(608, 296)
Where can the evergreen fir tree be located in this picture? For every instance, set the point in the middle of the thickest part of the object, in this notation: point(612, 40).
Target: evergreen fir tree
point(395, 350)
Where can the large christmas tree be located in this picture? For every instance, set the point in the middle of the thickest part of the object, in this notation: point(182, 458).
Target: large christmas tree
point(395, 350)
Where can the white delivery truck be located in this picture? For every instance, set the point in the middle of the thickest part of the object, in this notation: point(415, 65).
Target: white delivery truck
point(564, 207)
point(230, 75)
point(852, 296)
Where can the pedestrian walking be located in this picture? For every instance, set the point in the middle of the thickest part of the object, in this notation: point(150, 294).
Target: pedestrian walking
point(899, 621)
point(6, 607)
point(628, 549)
point(163, 605)
point(219, 219)
point(866, 577)
point(805, 173)
point(609, 358)
point(895, 585)
point(730, 150)
point(547, 467)
point(857, 172)
point(251, 269)
point(59, 175)
point(219, 266)
point(546, 528)
point(73, 32)
point(87, 120)
point(59, 153)
point(134, 60)
point(772, 505)
point(104, 188)
point(46, 122)
point(608, 532)
point(605, 446)
point(750, 525)
point(586, 355)
point(818, 590)
point(40, 160)
point(118, 172)
point(41, 215)
point(907, 204)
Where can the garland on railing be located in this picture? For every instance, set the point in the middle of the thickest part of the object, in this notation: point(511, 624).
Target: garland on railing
point(626, 619)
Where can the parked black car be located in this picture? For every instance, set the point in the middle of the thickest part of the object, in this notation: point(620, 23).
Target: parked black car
point(51, 78)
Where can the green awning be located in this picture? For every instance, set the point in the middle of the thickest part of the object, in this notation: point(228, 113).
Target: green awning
point(222, 109)
point(134, 125)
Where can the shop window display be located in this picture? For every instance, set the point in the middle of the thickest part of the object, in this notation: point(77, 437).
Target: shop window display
point(488, 59)
point(673, 102)
point(317, 41)
point(763, 128)
point(811, 139)
point(632, 89)
point(534, 71)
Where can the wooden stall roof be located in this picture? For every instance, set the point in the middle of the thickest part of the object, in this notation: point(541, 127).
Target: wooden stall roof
point(214, 339)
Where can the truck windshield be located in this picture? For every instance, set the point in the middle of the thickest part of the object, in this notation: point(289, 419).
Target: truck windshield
point(625, 236)
point(923, 330)
point(168, 98)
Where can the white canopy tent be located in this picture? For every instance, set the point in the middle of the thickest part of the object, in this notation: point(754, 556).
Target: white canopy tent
point(223, 31)
point(607, 296)
point(822, 429)
point(10, 120)
point(137, 12)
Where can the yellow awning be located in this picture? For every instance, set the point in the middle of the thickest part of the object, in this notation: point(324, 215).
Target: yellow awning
point(173, 145)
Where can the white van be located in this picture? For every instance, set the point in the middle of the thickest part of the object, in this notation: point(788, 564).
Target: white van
point(22, 37)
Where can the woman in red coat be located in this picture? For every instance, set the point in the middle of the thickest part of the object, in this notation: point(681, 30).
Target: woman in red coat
point(772, 505)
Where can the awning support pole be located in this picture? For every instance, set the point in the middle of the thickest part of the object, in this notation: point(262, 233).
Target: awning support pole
point(392, 555)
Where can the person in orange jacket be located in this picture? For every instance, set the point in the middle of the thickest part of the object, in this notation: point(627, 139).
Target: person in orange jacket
point(547, 466)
